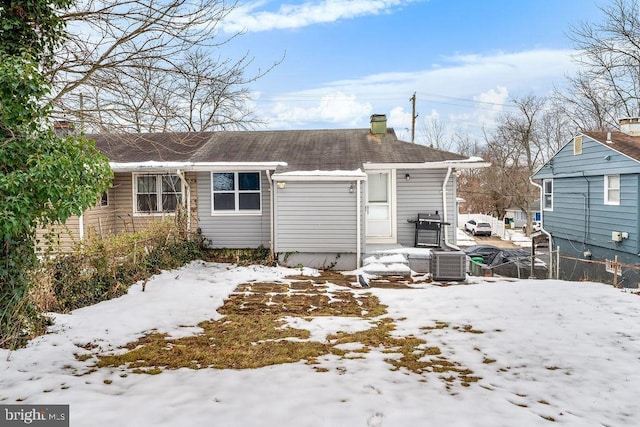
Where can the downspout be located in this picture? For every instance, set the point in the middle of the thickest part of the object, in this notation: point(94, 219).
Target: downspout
point(187, 203)
point(81, 227)
point(271, 215)
point(444, 210)
point(542, 224)
point(358, 225)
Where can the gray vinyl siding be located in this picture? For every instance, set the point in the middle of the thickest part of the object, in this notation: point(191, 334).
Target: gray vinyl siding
point(233, 231)
point(423, 194)
point(316, 217)
point(579, 214)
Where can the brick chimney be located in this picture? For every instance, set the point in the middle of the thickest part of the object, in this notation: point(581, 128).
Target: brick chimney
point(630, 126)
point(378, 124)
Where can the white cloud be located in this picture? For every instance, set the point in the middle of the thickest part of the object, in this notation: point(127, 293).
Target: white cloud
point(249, 18)
point(400, 121)
point(467, 91)
point(337, 108)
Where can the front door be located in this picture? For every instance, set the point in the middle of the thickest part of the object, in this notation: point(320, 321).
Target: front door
point(379, 207)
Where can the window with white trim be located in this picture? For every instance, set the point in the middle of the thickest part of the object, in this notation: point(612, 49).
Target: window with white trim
point(547, 189)
point(612, 189)
point(236, 192)
point(157, 193)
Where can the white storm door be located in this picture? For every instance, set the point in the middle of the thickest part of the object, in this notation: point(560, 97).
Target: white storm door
point(379, 206)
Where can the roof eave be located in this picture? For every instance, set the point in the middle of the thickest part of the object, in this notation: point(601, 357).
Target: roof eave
point(155, 166)
point(454, 164)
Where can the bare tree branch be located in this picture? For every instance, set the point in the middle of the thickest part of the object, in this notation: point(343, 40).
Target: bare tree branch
point(148, 65)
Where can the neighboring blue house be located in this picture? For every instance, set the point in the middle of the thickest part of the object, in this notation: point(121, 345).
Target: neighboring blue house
point(590, 191)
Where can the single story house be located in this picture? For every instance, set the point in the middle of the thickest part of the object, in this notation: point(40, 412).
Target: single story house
point(589, 191)
point(314, 197)
point(517, 217)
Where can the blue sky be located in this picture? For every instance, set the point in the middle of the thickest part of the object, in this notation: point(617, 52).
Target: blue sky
point(345, 60)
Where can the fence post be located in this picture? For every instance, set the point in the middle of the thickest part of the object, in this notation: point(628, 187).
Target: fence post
point(615, 271)
point(558, 263)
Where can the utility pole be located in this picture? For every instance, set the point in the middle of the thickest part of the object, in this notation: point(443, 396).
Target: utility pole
point(414, 116)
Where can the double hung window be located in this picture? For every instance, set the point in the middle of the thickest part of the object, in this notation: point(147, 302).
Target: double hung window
point(612, 189)
point(547, 188)
point(157, 193)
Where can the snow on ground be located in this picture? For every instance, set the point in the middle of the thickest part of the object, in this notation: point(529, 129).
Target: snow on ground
point(545, 350)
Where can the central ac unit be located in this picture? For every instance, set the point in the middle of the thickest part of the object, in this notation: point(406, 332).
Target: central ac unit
point(449, 265)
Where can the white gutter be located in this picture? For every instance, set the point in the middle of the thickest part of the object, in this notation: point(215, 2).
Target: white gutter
point(272, 225)
point(153, 166)
point(444, 216)
point(542, 225)
point(472, 163)
point(187, 187)
point(358, 225)
point(321, 175)
point(81, 226)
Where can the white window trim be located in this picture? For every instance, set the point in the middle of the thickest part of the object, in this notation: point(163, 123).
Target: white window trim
point(134, 188)
point(544, 195)
point(606, 191)
point(236, 192)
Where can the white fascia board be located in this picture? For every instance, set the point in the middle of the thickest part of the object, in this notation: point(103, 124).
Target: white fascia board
point(318, 175)
point(150, 166)
point(236, 166)
point(154, 166)
point(455, 164)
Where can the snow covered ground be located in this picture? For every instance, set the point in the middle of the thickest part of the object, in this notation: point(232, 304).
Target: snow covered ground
point(546, 351)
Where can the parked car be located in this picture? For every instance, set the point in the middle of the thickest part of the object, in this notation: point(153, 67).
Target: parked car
point(478, 228)
point(536, 225)
point(487, 252)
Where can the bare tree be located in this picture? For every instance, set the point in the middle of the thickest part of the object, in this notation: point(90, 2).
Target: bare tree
point(521, 142)
point(608, 87)
point(150, 65)
point(464, 144)
point(434, 133)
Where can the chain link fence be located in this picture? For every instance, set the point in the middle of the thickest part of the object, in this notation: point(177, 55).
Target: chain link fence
point(547, 264)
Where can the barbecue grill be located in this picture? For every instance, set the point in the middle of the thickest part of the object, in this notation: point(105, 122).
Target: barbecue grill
point(428, 229)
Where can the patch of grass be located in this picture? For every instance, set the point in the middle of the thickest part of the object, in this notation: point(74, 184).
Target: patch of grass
point(83, 357)
point(254, 334)
point(439, 325)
